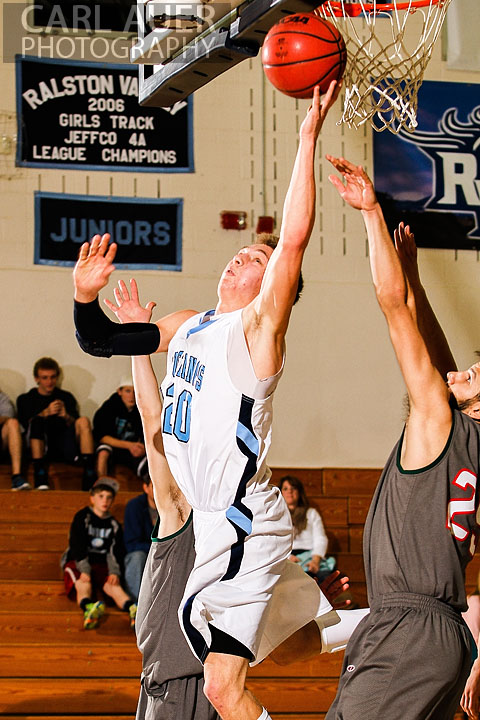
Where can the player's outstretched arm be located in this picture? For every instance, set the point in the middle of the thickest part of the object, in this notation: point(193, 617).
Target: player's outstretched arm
point(430, 418)
point(95, 332)
point(427, 321)
point(172, 507)
point(299, 206)
point(266, 319)
point(171, 504)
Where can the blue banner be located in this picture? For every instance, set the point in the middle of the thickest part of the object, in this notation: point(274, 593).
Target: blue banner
point(430, 179)
point(148, 232)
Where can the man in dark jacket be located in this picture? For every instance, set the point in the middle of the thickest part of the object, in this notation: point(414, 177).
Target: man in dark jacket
point(117, 428)
point(50, 417)
point(139, 521)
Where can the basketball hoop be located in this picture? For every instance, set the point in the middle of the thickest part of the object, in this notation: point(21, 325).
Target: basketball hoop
point(385, 65)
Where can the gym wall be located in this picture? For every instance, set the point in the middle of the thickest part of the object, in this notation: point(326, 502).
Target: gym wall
point(340, 402)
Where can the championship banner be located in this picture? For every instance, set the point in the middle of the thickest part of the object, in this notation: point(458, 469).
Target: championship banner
point(86, 115)
point(430, 179)
point(148, 231)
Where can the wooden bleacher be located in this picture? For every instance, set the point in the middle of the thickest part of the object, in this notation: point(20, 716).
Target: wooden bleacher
point(50, 667)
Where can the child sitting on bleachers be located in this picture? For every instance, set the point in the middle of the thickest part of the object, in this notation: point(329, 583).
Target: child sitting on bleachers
point(93, 560)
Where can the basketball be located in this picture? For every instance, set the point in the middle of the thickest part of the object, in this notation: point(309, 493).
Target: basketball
point(302, 51)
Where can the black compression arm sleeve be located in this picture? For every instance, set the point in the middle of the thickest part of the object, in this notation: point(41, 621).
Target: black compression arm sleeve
point(98, 335)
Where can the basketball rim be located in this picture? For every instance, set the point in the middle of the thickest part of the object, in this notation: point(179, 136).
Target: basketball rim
point(354, 8)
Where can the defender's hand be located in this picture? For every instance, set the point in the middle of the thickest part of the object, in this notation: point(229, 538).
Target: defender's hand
point(358, 190)
point(407, 252)
point(94, 267)
point(128, 308)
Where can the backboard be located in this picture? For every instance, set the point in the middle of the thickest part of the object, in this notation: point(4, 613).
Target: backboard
point(185, 45)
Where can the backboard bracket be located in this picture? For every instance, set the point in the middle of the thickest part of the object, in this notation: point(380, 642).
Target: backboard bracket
point(211, 54)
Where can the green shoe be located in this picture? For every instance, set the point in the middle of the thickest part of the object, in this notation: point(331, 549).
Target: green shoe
point(93, 613)
point(132, 611)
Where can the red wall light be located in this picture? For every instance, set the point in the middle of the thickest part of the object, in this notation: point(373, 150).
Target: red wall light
point(265, 224)
point(233, 219)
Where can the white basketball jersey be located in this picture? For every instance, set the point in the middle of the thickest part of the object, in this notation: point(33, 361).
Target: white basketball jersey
point(216, 438)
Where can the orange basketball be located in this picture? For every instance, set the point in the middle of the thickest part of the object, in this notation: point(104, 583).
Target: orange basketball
point(302, 51)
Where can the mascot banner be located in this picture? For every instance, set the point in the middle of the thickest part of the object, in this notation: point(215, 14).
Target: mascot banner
point(430, 178)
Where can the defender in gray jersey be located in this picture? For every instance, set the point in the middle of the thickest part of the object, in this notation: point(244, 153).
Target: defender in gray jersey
point(172, 677)
point(410, 659)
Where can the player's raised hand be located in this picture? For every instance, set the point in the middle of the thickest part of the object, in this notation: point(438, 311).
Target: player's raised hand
point(357, 189)
point(407, 252)
point(330, 97)
point(94, 267)
point(317, 112)
point(128, 308)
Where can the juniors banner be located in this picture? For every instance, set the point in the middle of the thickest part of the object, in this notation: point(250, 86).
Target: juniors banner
point(148, 232)
point(86, 115)
point(430, 179)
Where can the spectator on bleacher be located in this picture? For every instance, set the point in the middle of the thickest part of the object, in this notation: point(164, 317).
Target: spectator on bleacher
point(54, 429)
point(138, 523)
point(12, 443)
point(93, 559)
point(117, 428)
point(310, 541)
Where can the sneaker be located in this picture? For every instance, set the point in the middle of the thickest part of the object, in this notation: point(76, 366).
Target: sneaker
point(42, 485)
point(19, 483)
point(93, 613)
point(132, 611)
point(41, 480)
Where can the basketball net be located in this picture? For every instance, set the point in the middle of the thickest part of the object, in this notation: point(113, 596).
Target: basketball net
point(385, 64)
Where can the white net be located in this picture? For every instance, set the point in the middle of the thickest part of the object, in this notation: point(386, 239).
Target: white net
point(388, 52)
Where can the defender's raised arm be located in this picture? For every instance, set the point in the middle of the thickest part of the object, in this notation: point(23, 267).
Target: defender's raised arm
point(96, 333)
point(430, 417)
point(427, 321)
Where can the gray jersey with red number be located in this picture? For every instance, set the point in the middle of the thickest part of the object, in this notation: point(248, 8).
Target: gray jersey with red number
point(421, 530)
point(411, 656)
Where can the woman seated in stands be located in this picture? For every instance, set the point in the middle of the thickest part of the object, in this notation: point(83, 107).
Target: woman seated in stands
point(310, 541)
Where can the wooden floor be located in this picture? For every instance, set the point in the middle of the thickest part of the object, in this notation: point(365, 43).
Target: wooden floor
point(50, 667)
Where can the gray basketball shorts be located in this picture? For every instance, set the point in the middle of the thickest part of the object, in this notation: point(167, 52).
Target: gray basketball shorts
point(176, 699)
point(408, 660)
